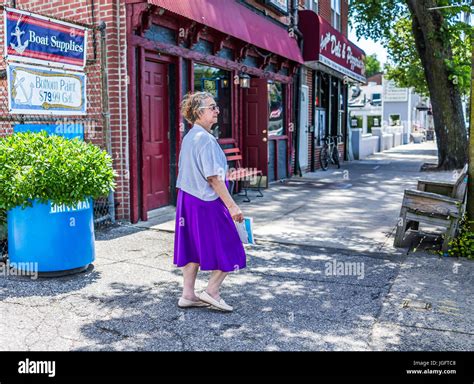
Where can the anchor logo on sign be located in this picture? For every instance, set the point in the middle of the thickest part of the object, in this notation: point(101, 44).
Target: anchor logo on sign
point(19, 47)
point(17, 85)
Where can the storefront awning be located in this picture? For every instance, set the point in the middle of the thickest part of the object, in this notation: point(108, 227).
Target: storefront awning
point(229, 17)
point(325, 45)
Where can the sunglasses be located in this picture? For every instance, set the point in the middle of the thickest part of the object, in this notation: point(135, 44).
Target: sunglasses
point(212, 107)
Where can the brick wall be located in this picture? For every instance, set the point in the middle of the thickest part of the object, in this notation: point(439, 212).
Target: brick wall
point(309, 83)
point(344, 16)
point(80, 11)
point(115, 17)
point(270, 12)
point(377, 78)
point(317, 153)
point(325, 12)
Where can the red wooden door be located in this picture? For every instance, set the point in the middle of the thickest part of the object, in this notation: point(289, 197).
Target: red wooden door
point(255, 125)
point(155, 142)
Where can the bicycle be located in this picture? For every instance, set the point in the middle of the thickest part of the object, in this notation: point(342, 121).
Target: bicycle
point(329, 152)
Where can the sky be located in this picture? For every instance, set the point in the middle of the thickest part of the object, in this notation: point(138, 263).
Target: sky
point(369, 47)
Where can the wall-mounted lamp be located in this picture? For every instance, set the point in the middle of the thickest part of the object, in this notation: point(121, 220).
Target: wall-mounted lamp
point(225, 83)
point(244, 80)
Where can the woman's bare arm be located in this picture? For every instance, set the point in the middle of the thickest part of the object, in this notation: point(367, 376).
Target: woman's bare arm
point(220, 188)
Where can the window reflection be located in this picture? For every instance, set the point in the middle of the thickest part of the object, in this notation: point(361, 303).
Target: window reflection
point(276, 109)
point(217, 82)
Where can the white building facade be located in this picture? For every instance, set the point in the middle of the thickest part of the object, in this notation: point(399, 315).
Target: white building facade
point(383, 116)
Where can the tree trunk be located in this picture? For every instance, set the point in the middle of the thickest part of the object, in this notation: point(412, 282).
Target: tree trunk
point(444, 94)
point(470, 186)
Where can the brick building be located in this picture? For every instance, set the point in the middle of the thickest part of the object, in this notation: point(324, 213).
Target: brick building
point(177, 46)
point(150, 53)
point(158, 50)
point(332, 63)
point(107, 131)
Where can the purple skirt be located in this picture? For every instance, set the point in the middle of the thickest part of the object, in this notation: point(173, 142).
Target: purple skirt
point(206, 234)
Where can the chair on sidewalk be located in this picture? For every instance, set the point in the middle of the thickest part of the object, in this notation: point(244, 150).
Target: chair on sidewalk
point(437, 203)
point(236, 172)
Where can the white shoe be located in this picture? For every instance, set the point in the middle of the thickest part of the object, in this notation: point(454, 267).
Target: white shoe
point(221, 304)
point(185, 303)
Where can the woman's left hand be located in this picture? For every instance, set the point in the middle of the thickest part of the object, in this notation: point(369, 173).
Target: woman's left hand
point(236, 213)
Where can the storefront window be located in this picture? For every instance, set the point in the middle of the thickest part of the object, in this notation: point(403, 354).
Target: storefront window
point(217, 82)
point(276, 110)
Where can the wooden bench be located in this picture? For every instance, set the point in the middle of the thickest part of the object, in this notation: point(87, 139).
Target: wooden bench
point(237, 173)
point(436, 203)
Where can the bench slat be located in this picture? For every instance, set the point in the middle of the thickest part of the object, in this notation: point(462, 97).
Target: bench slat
point(434, 203)
point(234, 157)
point(233, 154)
point(231, 150)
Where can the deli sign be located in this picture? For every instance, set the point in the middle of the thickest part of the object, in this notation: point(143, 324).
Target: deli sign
point(328, 46)
point(40, 40)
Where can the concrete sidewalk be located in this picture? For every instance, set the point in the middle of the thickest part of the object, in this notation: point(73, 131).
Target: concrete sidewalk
point(355, 207)
point(323, 276)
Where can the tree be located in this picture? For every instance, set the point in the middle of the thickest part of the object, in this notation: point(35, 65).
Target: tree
point(470, 187)
point(406, 71)
point(402, 51)
point(372, 65)
point(436, 43)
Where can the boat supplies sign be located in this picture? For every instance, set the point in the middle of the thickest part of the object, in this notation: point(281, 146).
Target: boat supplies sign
point(37, 39)
point(34, 90)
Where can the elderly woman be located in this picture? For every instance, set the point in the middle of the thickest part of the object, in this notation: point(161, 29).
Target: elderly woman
point(205, 235)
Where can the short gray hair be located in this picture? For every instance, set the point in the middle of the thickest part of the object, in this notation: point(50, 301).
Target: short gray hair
point(191, 104)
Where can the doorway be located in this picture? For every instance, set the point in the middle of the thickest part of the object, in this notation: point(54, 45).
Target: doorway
point(155, 139)
point(303, 133)
point(255, 127)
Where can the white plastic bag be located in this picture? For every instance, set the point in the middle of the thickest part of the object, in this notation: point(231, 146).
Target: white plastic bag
point(245, 230)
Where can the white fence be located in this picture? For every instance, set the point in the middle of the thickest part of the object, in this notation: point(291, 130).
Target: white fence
point(379, 140)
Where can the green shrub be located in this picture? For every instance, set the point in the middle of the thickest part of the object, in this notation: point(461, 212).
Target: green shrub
point(370, 122)
point(463, 244)
point(359, 121)
point(63, 171)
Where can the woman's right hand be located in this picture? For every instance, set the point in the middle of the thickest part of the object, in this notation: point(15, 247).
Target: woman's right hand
point(236, 213)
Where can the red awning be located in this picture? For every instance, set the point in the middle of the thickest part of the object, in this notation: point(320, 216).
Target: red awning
point(229, 17)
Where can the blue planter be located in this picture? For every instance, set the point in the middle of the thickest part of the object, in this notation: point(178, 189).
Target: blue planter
point(57, 238)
